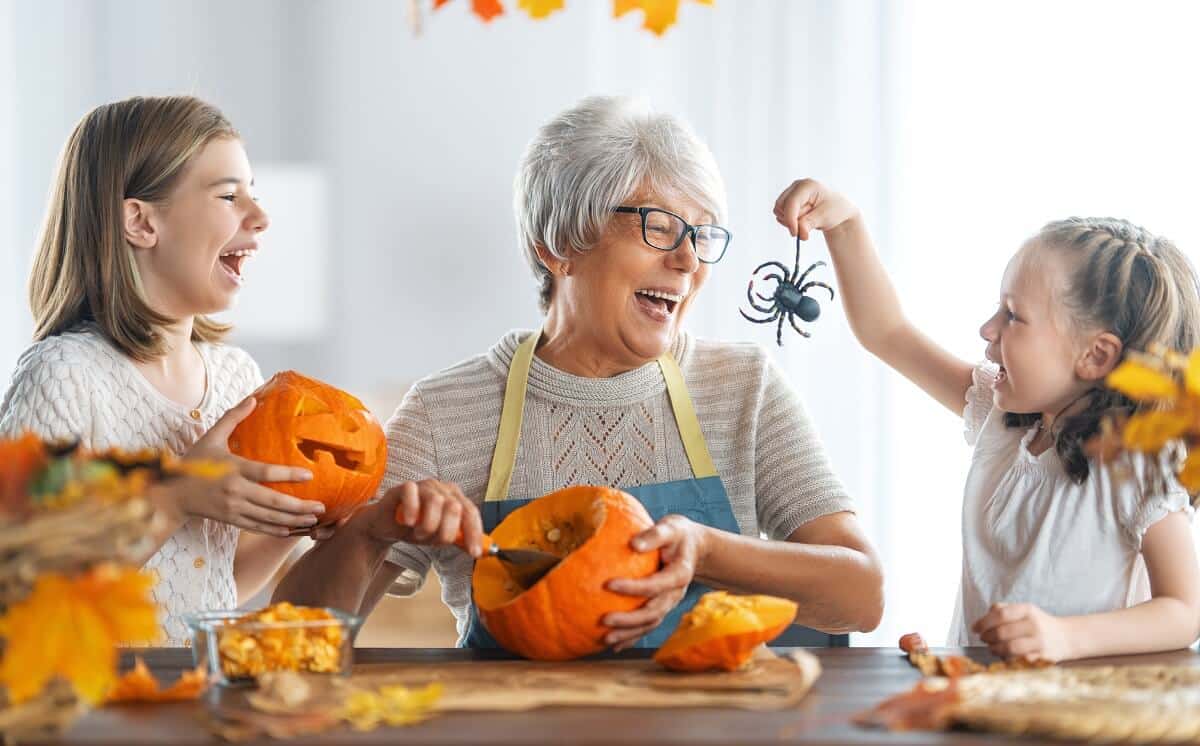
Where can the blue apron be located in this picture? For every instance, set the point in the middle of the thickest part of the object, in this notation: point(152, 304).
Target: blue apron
point(702, 499)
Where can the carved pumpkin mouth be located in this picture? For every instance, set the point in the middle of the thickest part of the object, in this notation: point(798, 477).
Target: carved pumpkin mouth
point(347, 458)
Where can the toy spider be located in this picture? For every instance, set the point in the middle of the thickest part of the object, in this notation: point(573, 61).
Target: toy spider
point(790, 298)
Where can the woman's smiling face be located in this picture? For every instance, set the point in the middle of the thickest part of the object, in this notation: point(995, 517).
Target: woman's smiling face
point(625, 299)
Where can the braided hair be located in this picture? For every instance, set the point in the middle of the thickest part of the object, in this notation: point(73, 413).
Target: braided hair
point(1127, 281)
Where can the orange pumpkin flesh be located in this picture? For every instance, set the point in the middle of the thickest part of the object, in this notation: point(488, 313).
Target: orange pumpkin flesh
point(299, 421)
point(558, 618)
point(722, 630)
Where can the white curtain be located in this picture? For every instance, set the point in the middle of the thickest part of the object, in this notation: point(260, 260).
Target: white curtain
point(12, 330)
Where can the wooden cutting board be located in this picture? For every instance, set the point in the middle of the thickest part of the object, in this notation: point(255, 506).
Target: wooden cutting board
point(769, 682)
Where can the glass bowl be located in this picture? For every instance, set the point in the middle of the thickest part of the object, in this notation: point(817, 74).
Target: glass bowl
point(234, 652)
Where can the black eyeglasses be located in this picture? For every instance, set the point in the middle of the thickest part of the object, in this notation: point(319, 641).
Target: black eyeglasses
point(665, 231)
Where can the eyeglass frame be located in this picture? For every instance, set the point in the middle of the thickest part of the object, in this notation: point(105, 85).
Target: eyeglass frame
point(688, 229)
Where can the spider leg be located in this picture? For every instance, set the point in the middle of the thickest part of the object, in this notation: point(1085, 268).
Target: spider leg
point(792, 319)
point(760, 267)
point(779, 331)
point(810, 269)
point(753, 320)
point(796, 267)
point(817, 285)
point(754, 305)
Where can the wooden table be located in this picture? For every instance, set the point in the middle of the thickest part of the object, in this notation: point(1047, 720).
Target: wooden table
point(854, 680)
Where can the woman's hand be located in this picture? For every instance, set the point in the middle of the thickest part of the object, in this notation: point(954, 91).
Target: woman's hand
point(683, 545)
point(809, 205)
point(238, 498)
point(1023, 631)
point(425, 512)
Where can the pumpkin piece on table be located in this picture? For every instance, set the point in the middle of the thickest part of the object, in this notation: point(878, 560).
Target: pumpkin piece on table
point(559, 617)
point(299, 421)
point(722, 630)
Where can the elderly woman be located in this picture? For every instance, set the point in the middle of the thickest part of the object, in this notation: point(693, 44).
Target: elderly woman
point(619, 213)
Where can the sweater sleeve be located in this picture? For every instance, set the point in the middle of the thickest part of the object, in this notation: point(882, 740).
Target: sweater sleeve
point(49, 395)
point(411, 456)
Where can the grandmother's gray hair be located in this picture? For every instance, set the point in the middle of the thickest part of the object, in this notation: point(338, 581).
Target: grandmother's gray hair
point(592, 158)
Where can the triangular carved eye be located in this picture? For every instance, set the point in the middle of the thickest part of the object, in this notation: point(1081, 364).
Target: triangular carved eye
point(310, 406)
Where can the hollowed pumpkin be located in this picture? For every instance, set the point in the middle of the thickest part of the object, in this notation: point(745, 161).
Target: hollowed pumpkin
point(558, 617)
point(299, 421)
point(722, 630)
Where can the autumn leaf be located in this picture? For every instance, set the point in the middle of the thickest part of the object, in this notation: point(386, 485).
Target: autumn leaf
point(20, 459)
point(1191, 376)
point(540, 8)
point(1189, 476)
point(391, 705)
point(1150, 431)
point(485, 9)
point(1142, 383)
point(139, 685)
point(660, 15)
point(70, 627)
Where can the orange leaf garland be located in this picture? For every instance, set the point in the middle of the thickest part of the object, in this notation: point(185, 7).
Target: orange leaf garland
point(139, 685)
point(70, 627)
point(660, 15)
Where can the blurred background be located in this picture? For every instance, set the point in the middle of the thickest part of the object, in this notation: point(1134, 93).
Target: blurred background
point(386, 161)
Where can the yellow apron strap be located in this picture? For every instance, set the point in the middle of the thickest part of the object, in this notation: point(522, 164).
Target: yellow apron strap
point(685, 418)
point(504, 458)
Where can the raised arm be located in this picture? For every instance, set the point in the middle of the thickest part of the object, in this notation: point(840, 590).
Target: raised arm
point(870, 300)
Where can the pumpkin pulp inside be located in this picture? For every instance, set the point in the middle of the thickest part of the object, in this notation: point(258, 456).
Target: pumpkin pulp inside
point(563, 530)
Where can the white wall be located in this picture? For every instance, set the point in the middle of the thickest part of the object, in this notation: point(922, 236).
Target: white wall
point(13, 331)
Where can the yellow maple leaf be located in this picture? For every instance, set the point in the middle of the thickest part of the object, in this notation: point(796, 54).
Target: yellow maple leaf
point(1189, 475)
point(1141, 382)
point(70, 627)
point(1191, 376)
point(660, 15)
point(540, 8)
point(1151, 431)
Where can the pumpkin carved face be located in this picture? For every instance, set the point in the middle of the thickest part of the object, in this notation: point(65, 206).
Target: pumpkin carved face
point(558, 617)
point(299, 421)
point(722, 630)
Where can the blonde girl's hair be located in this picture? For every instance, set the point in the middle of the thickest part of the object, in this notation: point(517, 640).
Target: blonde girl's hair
point(1130, 282)
point(84, 271)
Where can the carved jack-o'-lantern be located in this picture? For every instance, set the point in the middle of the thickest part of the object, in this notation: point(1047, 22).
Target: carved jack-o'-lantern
point(299, 421)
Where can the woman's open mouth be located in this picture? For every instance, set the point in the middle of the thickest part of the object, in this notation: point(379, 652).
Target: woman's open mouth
point(658, 304)
point(232, 262)
point(1001, 377)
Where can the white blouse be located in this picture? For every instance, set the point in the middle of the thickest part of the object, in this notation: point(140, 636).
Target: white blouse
point(78, 385)
point(1031, 535)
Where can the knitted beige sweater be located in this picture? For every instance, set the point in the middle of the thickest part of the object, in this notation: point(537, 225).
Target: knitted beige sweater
point(615, 431)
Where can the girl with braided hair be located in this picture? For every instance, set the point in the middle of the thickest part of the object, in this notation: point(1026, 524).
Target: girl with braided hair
point(1062, 558)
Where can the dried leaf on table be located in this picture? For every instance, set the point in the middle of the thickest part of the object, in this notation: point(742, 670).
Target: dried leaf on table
point(139, 685)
